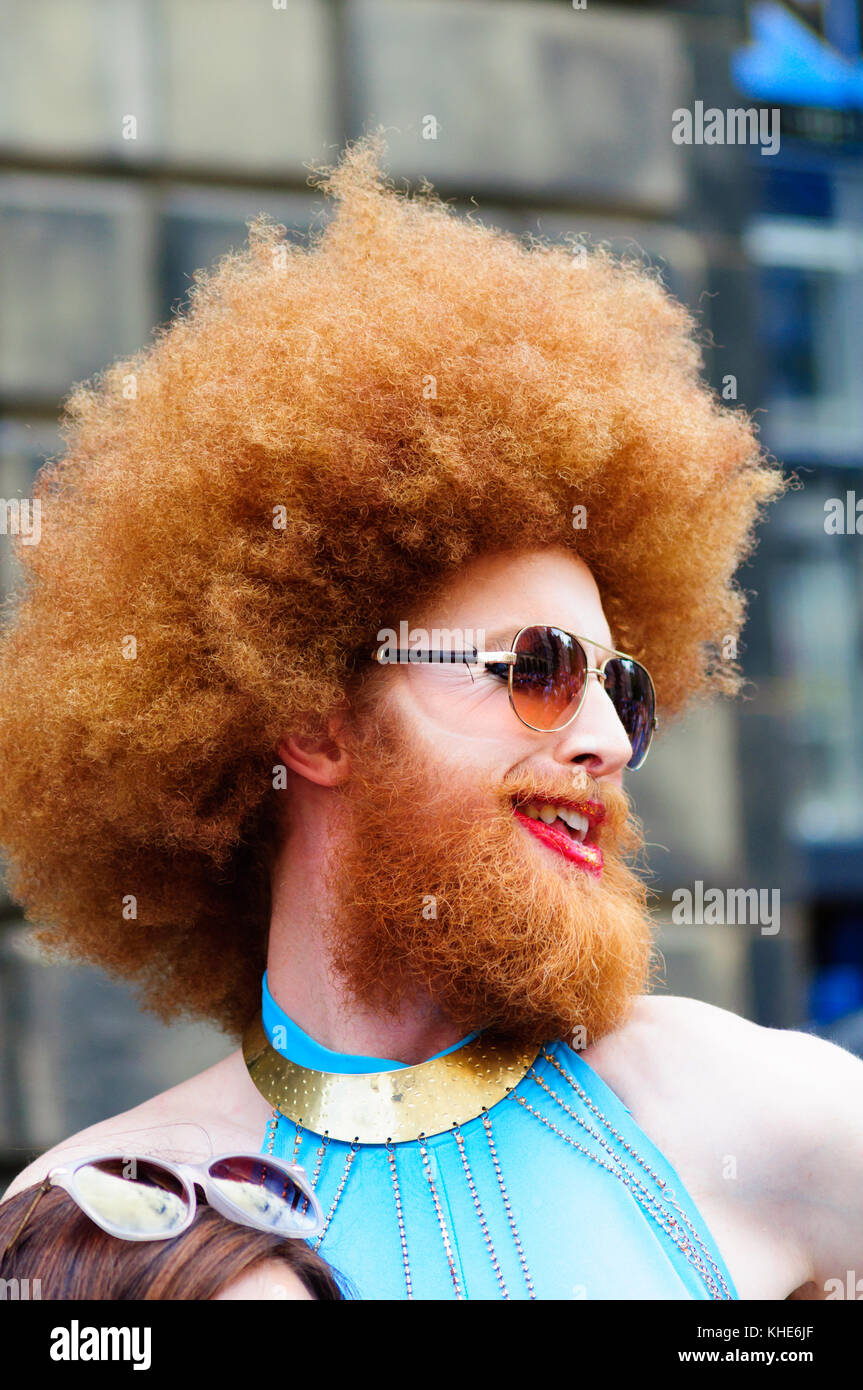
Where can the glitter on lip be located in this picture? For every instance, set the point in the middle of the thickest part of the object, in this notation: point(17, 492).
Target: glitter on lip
point(585, 856)
point(593, 810)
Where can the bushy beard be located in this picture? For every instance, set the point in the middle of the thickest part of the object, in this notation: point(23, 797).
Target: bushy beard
point(442, 894)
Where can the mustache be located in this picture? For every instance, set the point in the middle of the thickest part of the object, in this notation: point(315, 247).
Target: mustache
point(609, 806)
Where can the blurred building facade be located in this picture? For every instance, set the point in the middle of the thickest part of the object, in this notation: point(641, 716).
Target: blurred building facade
point(138, 137)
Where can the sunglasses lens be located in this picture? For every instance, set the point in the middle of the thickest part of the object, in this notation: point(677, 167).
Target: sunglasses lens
point(631, 692)
point(132, 1196)
point(548, 677)
point(264, 1192)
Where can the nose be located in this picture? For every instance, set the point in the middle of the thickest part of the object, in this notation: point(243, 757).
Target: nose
point(595, 740)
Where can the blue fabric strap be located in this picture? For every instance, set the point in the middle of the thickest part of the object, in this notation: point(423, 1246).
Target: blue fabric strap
point(289, 1039)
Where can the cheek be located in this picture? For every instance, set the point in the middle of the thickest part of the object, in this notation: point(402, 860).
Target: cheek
point(475, 740)
point(459, 715)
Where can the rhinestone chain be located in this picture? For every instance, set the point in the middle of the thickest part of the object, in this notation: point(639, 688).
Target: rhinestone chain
point(297, 1143)
point(479, 1211)
point(668, 1225)
point(319, 1158)
point(673, 1226)
point(400, 1215)
point(660, 1182)
point(440, 1217)
point(272, 1126)
point(349, 1158)
point(486, 1120)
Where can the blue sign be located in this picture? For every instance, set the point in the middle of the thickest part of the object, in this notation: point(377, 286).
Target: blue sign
point(788, 61)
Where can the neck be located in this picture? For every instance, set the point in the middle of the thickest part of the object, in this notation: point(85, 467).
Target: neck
point(299, 976)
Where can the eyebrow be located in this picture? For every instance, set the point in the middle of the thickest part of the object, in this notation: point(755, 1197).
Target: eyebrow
point(501, 639)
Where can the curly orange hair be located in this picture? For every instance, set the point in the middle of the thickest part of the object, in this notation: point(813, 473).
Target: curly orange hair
point(322, 433)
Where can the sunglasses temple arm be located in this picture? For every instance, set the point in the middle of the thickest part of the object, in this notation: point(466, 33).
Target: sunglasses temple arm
point(405, 656)
point(10, 1245)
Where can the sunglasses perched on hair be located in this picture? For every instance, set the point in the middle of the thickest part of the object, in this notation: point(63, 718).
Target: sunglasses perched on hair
point(152, 1199)
point(547, 671)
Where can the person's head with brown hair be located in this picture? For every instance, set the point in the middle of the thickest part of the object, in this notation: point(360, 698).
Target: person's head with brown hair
point(73, 1258)
point(322, 445)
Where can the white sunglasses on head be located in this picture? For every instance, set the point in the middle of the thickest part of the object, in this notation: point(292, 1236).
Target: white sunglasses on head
point(143, 1198)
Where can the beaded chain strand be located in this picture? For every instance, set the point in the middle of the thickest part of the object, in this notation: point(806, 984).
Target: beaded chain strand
point(651, 1205)
point(391, 1156)
point(349, 1158)
point(483, 1224)
point(507, 1206)
point(440, 1217)
point(667, 1193)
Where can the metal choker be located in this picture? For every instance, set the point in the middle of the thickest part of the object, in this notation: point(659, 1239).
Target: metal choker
point(381, 1106)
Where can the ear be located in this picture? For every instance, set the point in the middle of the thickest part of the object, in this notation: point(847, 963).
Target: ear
point(320, 758)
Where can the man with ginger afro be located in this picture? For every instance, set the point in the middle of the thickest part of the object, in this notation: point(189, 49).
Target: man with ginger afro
point(376, 447)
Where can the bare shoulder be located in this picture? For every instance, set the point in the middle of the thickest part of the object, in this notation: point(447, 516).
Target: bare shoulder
point(686, 1034)
point(670, 1043)
point(657, 1019)
point(696, 1075)
point(217, 1109)
point(691, 1047)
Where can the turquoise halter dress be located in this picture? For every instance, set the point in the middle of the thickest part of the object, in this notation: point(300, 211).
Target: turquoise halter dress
point(552, 1193)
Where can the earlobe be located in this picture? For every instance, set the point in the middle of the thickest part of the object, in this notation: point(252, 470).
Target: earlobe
point(320, 758)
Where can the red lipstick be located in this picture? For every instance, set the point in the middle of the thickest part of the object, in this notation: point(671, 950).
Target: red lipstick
point(586, 856)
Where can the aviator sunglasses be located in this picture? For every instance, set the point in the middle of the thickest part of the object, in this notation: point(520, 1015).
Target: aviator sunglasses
point(152, 1199)
point(547, 671)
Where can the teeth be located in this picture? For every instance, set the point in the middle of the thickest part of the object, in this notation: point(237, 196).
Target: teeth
point(577, 822)
point(574, 819)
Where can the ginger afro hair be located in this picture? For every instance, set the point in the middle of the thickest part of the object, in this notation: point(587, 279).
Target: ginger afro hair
point(322, 432)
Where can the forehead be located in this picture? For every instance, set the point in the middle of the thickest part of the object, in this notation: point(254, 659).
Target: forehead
point(503, 592)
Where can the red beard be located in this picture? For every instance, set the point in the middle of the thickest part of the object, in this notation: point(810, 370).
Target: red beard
point(442, 893)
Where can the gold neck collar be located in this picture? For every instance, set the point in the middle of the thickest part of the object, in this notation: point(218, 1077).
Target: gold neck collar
point(374, 1107)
